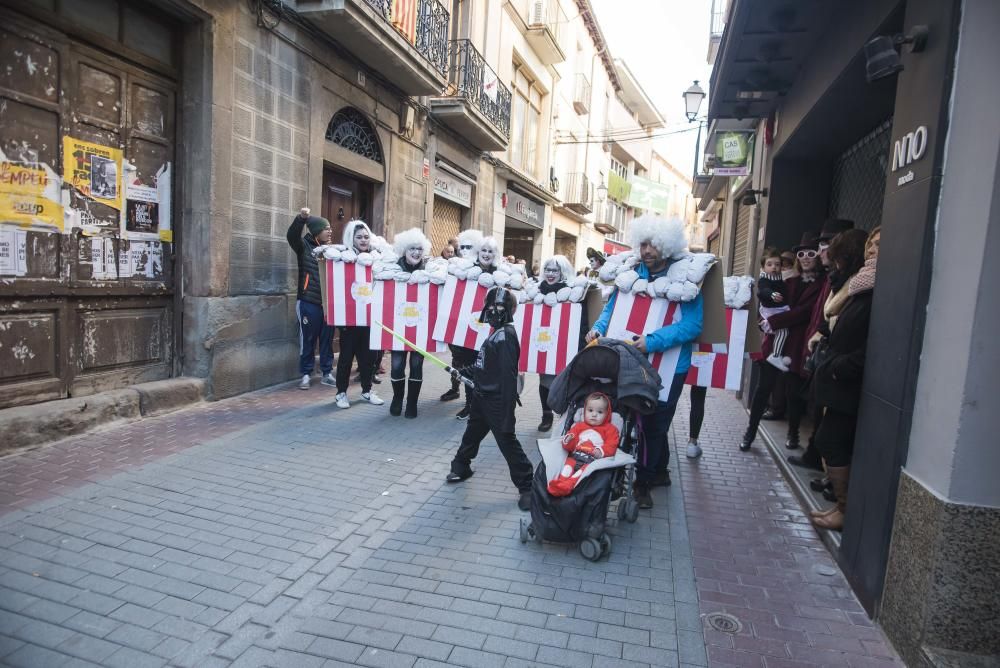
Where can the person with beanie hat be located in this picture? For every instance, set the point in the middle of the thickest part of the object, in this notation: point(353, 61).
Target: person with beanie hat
point(309, 300)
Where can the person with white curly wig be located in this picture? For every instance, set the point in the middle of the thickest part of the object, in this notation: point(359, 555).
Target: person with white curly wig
point(557, 273)
point(412, 247)
point(354, 339)
point(466, 245)
point(659, 242)
point(487, 250)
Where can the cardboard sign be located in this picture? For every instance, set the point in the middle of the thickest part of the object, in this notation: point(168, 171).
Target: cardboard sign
point(347, 291)
point(458, 323)
point(408, 309)
point(713, 328)
point(549, 336)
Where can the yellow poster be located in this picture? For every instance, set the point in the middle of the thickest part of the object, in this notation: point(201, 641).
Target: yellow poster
point(29, 195)
point(94, 170)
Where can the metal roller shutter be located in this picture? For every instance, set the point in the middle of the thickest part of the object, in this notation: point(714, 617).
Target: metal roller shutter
point(447, 223)
point(858, 185)
point(741, 263)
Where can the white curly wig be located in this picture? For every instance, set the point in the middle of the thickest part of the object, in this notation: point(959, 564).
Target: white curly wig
point(409, 238)
point(565, 268)
point(351, 228)
point(470, 237)
point(489, 242)
point(666, 234)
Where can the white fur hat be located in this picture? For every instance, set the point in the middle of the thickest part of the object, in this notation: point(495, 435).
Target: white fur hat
point(666, 234)
point(565, 268)
point(409, 238)
point(472, 238)
point(351, 228)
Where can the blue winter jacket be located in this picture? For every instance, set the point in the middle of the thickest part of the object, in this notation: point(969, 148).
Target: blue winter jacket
point(680, 334)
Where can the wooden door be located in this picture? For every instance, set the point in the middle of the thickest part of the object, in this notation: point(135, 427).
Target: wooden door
point(345, 198)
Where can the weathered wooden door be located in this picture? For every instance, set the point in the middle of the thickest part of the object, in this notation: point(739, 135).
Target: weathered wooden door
point(91, 306)
point(345, 198)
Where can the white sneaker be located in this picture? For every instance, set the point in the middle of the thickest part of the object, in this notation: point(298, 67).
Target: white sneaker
point(342, 401)
point(328, 379)
point(372, 398)
point(780, 363)
point(694, 450)
point(304, 383)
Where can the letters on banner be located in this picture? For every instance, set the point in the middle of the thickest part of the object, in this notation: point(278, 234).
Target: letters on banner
point(549, 336)
point(721, 365)
point(408, 309)
point(348, 294)
point(458, 320)
point(634, 315)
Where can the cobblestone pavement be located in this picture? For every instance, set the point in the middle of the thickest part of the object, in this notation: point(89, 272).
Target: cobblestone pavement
point(274, 529)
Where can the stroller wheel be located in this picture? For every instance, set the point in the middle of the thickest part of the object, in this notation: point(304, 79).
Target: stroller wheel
point(605, 541)
point(590, 549)
point(631, 510)
point(621, 509)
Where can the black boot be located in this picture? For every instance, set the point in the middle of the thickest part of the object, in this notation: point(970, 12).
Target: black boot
point(747, 440)
point(792, 442)
point(546, 423)
point(398, 387)
point(412, 394)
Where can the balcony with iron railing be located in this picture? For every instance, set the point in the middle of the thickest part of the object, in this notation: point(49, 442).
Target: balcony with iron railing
point(544, 30)
point(406, 42)
point(579, 196)
point(581, 94)
point(476, 104)
point(716, 28)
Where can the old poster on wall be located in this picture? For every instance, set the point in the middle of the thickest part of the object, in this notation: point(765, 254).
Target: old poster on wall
point(13, 252)
point(142, 217)
point(93, 170)
point(29, 195)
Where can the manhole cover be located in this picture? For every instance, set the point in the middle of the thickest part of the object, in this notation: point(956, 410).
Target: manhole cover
point(721, 621)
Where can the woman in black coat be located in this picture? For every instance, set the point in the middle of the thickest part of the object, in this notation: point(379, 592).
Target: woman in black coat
point(837, 379)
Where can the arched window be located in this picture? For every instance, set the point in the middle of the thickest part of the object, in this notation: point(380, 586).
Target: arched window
point(350, 129)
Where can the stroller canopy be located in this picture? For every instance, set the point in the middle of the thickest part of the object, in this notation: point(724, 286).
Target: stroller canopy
point(613, 367)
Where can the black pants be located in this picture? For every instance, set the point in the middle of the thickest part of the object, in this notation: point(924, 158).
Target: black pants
point(398, 371)
point(835, 437)
point(794, 386)
point(354, 345)
point(767, 377)
point(698, 394)
point(655, 454)
point(480, 424)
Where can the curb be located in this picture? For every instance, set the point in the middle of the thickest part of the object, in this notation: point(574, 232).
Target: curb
point(23, 427)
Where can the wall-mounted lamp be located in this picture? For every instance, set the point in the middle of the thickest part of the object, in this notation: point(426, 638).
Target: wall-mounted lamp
point(881, 55)
point(749, 198)
point(602, 192)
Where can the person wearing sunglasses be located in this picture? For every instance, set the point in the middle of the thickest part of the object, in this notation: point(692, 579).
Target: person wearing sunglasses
point(466, 245)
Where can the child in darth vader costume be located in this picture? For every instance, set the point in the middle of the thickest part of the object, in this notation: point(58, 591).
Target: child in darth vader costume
point(494, 397)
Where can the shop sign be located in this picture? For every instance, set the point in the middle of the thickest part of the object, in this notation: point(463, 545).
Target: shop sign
point(525, 210)
point(648, 195)
point(908, 149)
point(732, 153)
point(450, 188)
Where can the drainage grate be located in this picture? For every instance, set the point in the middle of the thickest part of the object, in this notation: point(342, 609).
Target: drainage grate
point(721, 621)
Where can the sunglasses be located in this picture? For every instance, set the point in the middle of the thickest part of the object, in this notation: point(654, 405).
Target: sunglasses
point(465, 247)
point(806, 254)
point(822, 246)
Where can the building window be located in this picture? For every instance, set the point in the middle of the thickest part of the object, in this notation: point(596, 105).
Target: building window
point(350, 129)
point(526, 120)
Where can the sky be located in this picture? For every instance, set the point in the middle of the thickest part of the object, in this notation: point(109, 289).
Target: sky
point(664, 43)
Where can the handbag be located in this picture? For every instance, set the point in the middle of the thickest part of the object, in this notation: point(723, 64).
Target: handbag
point(820, 354)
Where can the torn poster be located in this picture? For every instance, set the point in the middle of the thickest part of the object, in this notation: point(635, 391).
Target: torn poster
point(142, 218)
point(97, 259)
point(163, 190)
point(29, 195)
point(8, 252)
point(93, 170)
point(21, 247)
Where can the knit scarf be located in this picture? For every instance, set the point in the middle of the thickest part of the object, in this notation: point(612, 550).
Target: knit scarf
point(864, 280)
point(834, 304)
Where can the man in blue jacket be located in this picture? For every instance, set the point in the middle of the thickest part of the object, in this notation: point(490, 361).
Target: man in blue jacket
point(658, 241)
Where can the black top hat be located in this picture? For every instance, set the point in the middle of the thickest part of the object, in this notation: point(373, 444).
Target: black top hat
point(808, 242)
point(834, 226)
point(594, 254)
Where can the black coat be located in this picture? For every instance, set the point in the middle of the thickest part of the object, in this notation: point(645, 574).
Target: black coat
point(837, 381)
point(307, 288)
point(495, 376)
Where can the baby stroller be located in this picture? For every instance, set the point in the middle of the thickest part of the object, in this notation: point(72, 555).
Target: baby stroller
point(625, 375)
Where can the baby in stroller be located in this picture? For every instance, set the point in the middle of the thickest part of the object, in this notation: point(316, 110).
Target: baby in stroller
point(594, 437)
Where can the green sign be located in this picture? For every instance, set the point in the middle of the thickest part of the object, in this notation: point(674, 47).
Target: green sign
point(732, 153)
point(618, 188)
point(648, 195)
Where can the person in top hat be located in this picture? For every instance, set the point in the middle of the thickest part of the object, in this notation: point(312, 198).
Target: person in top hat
point(597, 260)
point(309, 300)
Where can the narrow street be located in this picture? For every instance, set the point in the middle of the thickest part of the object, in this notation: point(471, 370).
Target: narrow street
point(273, 529)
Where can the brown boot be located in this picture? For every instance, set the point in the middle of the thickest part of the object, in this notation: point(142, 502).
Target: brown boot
point(822, 513)
point(840, 476)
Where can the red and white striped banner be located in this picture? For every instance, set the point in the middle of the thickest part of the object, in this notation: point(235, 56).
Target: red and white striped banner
point(549, 336)
point(457, 321)
point(404, 18)
point(409, 310)
point(721, 365)
point(348, 294)
point(636, 315)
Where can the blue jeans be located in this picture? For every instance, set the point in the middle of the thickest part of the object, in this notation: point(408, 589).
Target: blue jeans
point(655, 454)
point(312, 326)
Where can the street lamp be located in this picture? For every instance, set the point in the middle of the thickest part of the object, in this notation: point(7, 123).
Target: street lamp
point(693, 97)
point(602, 192)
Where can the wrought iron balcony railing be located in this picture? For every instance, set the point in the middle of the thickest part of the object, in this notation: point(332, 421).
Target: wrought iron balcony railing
point(472, 79)
point(431, 36)
point(581, 94)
